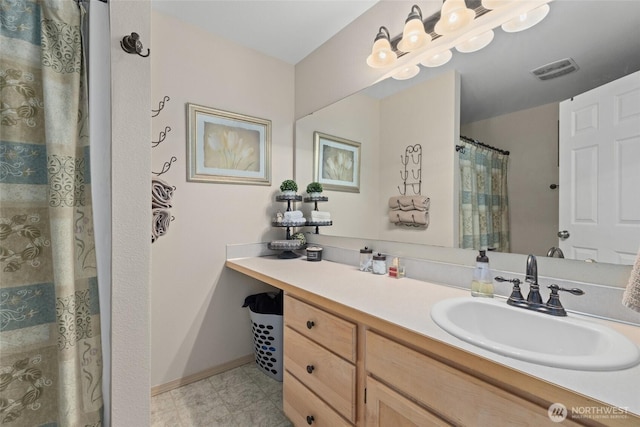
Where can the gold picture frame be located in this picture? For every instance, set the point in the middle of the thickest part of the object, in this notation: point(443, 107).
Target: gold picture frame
point(226, 147)
point(336, 162)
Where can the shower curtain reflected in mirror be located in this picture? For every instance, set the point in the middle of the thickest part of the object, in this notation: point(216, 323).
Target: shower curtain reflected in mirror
point(484, 204)
point(50, 354)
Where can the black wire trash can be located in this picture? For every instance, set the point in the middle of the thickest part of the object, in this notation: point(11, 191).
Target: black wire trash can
point(265, 312)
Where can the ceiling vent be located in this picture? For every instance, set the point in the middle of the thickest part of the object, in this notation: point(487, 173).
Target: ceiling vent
point(555, 69)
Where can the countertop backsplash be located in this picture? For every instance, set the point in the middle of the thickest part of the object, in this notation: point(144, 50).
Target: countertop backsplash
point(604, 301)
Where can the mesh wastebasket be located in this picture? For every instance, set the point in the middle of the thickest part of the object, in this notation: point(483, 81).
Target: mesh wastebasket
point(267, 340)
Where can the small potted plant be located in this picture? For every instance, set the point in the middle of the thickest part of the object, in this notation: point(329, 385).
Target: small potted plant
point(288, 187)
point(314, 190)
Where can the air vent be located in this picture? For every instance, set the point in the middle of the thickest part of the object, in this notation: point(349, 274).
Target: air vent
point(555, 69)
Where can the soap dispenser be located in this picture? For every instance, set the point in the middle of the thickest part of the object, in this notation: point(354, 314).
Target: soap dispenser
point(482, 282)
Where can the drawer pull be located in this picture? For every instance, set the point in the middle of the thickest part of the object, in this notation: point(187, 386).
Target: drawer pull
point(310, 419)
point(310, 324)
point(310, 368)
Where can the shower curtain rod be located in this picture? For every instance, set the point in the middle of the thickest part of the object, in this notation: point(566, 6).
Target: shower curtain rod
point(481, 144)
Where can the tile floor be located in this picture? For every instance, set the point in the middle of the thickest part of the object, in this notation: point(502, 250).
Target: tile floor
point(241, 397)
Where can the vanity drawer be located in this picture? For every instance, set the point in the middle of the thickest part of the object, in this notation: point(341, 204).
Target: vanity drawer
point(329, 376)
point(442, 388)
point(300, 404)
point(332, 332)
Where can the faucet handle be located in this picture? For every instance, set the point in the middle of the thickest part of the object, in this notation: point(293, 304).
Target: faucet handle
point(574, 291)
point(516, 294)
point(516, 282)
point(554, 305)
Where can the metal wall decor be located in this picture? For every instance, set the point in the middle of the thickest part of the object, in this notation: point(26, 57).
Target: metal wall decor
point(412, 161)
point(161, 192)
point(410, 210)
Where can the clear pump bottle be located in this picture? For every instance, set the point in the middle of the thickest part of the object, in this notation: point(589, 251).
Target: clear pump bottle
point(482, 282)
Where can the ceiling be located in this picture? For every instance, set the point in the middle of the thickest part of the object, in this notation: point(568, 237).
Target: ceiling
point(602, 36)
point(285, 29)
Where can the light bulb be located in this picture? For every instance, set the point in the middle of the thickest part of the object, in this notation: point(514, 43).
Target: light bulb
point(381, 53)
point(413, 36)
point(453, 16)
point(438, 59)
point(494, 4)
point(526, 20)
point(406, 72)
point(476, 43)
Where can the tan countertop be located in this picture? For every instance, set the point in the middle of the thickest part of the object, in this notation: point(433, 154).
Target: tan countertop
point(407, 303)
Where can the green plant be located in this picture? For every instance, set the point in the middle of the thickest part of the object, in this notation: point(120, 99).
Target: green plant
point(314, 187)
point(288, 185)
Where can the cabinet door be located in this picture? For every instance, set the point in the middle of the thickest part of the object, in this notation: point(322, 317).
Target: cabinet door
point(452, 394)
point(386, 408)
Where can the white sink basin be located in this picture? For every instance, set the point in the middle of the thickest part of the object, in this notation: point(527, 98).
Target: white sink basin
point(562, 342)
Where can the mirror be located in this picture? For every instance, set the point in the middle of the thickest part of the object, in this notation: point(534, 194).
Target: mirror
point(495, 85)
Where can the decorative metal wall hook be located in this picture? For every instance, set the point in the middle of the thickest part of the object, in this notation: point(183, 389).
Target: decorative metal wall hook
point(165, 167)
point(160, 106)
point(162, 136)
point(132, 44)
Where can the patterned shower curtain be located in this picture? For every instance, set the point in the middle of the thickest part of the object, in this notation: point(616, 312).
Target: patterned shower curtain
point(50, 353)
point(484, 205)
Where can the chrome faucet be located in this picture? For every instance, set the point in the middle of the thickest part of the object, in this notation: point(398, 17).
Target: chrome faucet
point(534, 300)
point(553, 251)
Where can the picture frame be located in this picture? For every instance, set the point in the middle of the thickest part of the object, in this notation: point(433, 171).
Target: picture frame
point(336, 162)
point(226, 147)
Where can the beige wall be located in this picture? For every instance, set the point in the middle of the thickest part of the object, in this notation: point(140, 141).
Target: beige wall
point(426, 114)
point(356, 118)
point(197, 319)
point(131, 211)
point(532, 138)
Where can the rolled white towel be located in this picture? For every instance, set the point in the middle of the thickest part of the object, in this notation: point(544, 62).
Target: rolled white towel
point(414, 217)
point(317, 216)
point(291, 215)
point(408, 203)
point(294, 221)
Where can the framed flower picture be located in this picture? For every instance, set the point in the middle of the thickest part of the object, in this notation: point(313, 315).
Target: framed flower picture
point(336, 162)
point(227, 147)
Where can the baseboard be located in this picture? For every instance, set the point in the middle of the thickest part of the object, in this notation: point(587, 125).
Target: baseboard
point(163, 388)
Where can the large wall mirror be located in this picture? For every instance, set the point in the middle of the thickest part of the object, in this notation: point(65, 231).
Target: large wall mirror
point(489, 95)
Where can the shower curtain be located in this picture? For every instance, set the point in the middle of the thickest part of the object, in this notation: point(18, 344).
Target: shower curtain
point(50, 354)
point(484, 205)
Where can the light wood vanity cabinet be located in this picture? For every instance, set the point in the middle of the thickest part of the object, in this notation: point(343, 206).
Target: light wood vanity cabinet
point(325, 364)
point(366, 371)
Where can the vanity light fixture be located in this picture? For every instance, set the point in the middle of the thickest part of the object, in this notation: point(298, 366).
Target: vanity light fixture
point(438, 59)
point(381, 54)
point(406, 72)
point(526, 20)
point(468, 30)
point(454, 16)
point(414, 36)
point(475, 43)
